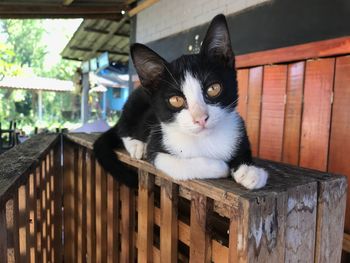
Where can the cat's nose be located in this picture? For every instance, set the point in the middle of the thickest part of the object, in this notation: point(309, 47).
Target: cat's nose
point(202, 120)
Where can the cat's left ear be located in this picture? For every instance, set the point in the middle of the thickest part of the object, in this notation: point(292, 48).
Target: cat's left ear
point(216, 44)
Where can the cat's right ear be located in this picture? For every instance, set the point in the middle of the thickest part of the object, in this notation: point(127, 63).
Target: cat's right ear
point(149, 65)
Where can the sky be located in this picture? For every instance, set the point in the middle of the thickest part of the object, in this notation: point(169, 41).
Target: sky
point(58, 33)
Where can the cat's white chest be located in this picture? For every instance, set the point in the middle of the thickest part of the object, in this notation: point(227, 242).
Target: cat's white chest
point(220, 143)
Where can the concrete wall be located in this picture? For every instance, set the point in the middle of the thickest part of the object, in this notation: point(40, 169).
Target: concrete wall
point(168, 17)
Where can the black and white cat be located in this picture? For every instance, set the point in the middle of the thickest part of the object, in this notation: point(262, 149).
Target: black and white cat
point(183, 119)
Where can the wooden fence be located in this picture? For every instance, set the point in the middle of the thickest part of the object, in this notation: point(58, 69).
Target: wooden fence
point(80, 214)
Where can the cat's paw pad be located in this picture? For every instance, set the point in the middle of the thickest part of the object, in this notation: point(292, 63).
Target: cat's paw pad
point(250, 176)
point(135, 148)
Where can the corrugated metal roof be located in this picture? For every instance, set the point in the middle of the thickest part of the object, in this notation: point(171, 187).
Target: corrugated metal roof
point(94, 37)
point(36, 83)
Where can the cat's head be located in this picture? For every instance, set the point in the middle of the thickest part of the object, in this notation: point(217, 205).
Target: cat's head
point(194, 92)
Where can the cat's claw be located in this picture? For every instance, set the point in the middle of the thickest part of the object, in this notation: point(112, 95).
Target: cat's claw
point(135, 148)
point(250, 176)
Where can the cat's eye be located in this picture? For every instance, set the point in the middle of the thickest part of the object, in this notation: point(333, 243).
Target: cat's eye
point(214, 90)
point(177, 101)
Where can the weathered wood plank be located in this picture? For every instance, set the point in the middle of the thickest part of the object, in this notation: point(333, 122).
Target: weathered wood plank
point(238, 231)
point(101, 214)
point(254, 107)
point(145, 217)
point(22, 221)
point(14, 171)
point(272, 112)
point(292, 121)
point(243, 82)
point(90, 208)
point(346, 242)
point(127, 241)
point(3, 233)
point(43, 210)
point(339, 147)
point(319, 76)
point(32, 210)
point(69, 211)
point(58, 199)
point(201, 209)
point(168, 222)
point(113, 210)
point(38, 211)
point(48, 205)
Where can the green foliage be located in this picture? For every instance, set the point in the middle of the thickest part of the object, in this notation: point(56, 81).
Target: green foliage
point(24, 47)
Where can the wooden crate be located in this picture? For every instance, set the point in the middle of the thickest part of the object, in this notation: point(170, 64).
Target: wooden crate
point(298, 216)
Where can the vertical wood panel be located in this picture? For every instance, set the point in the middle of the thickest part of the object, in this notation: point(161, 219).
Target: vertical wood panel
point(28, 223)
point(38, 210)
point(22, 221)
point(3, 233)
point(81, 209)
point(254, 107)
point(243, 80)
point(43, 211)
point(201, 208)
point(32, 224)
point(272, 112)
point(145, 217)
point(292, 121)
point(339, 151)
point(101, 215)
point(90, 208)
point(168, 221)
point(69, 226)
point(15, 221)
point(10, 231)
point(127, 224)
point(112, 219)
point(317, 113)
point(58, 194)
point(48, 205)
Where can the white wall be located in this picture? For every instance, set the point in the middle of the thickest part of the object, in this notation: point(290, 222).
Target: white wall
point(168, 17)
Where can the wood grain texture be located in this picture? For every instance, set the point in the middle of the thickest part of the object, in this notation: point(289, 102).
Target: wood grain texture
point(58, 200)
point(272, 112)
point(145, 217)
point(254, 107)
point(340, 140)
point(43, 211)
point(3, 233)
point(90, 207)
point(113, 209)
point(293, 112)
point(22, 222)
point(127, 241)
point(68, 202)
point(201, 209)
point(317, 49)
point(317, 113)
point(101, 214)
point(38, 210)
point(168, 222)
point(243, 82)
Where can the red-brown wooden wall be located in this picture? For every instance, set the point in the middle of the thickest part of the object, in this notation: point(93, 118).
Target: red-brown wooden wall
point(296, 104)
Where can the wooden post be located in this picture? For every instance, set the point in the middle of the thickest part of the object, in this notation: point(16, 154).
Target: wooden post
point(90, 207)
point(3, 233)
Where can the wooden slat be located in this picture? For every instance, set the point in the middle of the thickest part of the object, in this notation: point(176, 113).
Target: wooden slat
point(77, 233)
point(145, 217)
point(38, 211)
point(58, 195)
point(10, 230)
point(272, 112)
point(48, 205)
point(43, 211)
point(3, 234)
point(127, 241)
point(22, 222)
point(68, 189)
point(168, 222)
point(15, 220)
point(317, 113)
point(316, 49)
point(32, 210)
point(52, 205)
point(340, 140)
point(112, 219)
point(346, 243)
point(254, 107)
point(29, 208)
point(90, 208)
point(81, 209)
point(101, 214)
point(243, 82)
point(201, 209)
point(292, 121)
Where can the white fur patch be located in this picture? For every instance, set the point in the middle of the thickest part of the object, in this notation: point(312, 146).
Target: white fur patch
point(250, 176)
point(135, 148)
point(191, 168)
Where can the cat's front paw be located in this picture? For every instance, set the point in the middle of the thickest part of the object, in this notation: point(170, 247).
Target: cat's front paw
point(250, 176)
point(135, 148)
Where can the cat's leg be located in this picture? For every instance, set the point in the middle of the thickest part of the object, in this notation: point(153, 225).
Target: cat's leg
point(135, 148)
point(190, 168)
